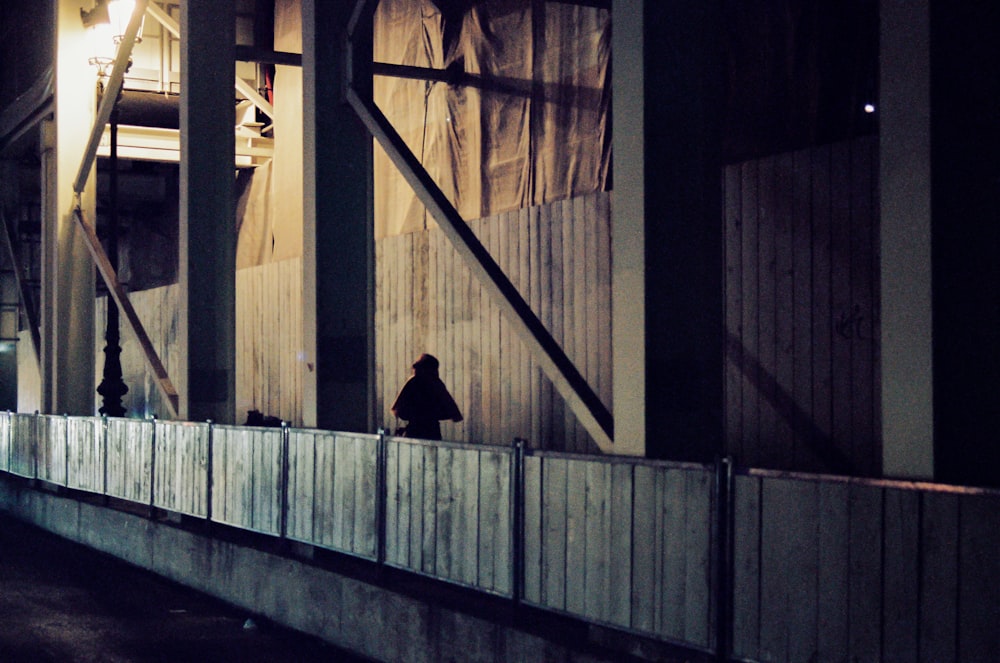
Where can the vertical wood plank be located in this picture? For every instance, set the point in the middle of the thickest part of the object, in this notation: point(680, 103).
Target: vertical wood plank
point(620, 544)
point(445, 512)
point(979, 567)
point(766, 280)
point(597, 531)
point(775, 536)
point(822, 326)
point(840, 289)
point(569, 308)
point(364, 498)
point(394, 495)
point(523, 271)
point(605, 364)
point(733, 239)
point(428, 554)
point(580, 269)
point(901, 575)
point(673, 576)
point(325, 481)
point(643, 549)
point(576, 523)
point(555, 532)
point(592, 291)
point(784, 326)
point(748, 452)
point(468, 538)
point(793, 507)
point(802, 247)
point(746, 567)
point(938, 578)
point(866, 449)
point(834, 571)
point(865, 608)
point(416, 498)
point(533, 528)
point(698, 601)
point(558, 316)
point(545, 296)
point(535, 292)
point(489, 519)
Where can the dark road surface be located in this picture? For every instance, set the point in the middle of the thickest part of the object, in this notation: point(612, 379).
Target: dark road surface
point(63, 602)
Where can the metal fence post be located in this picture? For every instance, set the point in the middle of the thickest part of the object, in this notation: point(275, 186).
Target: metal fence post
point(208, 472)
point(283, 525)
point(104, 457)
point(34, 447)
point(65, 455)
point(724, 557)
point(152, 467)
point(381, 497)
point(517, 503)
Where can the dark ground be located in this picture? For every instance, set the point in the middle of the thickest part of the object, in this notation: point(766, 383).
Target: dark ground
point(60, 601)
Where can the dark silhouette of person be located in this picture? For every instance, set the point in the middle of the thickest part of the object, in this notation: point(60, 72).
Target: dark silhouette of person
point(424, 401)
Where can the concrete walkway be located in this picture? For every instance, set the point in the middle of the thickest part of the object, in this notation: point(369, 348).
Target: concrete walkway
point(60, 601)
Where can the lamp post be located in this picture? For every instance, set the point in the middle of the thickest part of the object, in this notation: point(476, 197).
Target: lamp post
point(106, 24)
point(112, 387)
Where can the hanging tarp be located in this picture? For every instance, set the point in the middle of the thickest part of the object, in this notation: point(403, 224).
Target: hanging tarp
point(522, 119)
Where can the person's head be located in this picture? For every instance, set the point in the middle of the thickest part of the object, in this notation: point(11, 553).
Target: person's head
point(425, 365)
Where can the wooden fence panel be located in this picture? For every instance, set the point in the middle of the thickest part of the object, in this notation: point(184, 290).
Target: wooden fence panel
point(448, 513)
point(269, 339)
point(344, 500)
point(181, 467)
point(23, 435)
point(584, 556)
point(301, 485)
point(844, 570)
point(85, 449)
point(246, 478)
point(801, 275)
point(50, 459)
point(130, 459)
point(978, 570)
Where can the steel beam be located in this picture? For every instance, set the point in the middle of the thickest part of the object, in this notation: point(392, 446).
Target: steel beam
point(29, 306)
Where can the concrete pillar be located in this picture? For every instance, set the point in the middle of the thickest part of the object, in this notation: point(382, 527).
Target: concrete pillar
point(207, 265)
point(905, 195)
point(667, 298)
point(338, 250)
point(67, 300)
point(965, 240)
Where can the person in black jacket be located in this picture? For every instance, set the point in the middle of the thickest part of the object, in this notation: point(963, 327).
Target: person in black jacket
point(424, 401)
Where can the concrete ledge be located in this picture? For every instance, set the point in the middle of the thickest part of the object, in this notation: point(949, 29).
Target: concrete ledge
point(349, 613)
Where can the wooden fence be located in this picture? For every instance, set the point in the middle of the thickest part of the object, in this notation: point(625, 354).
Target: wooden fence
point(802, 310)
point(829, 569)
point(558, 257)
point(760, 565)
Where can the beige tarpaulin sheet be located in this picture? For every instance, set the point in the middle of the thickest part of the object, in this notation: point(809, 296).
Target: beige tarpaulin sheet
point(530, 127)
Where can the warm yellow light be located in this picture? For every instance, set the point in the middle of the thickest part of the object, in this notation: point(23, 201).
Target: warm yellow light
point(120, 12)
point(100, 45)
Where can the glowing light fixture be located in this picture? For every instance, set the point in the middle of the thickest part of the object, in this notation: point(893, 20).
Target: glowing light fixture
point(120, 13)
point(106, 24)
